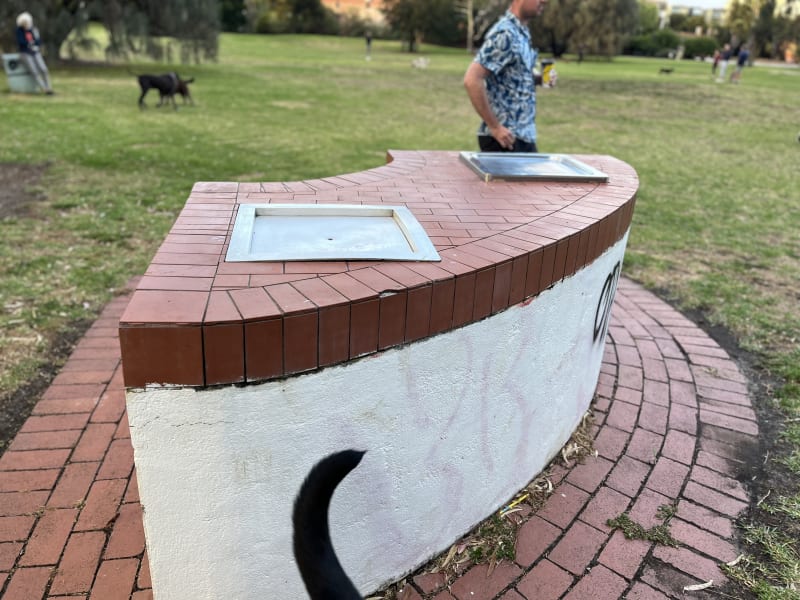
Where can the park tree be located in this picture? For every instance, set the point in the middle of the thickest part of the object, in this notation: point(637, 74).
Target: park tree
point(603, 26)
point(649, 19)
point(741, 17)
point(415, 20)
point(133, 25)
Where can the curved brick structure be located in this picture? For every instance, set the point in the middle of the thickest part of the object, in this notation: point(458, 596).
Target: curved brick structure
point(674, 418)
point(500, 243)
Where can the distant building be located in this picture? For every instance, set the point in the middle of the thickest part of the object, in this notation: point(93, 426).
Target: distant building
point(787, 8)
point(366, 9)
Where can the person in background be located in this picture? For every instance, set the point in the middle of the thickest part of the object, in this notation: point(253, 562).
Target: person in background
point(500, 82)
point(29, 49)
point(723, 62)
point(715, 63)
point(368, 40)
point(741, 63)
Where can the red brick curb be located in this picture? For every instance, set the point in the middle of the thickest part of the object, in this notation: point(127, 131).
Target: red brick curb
point(672, 414)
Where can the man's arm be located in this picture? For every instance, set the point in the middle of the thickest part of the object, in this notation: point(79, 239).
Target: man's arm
point(475, 84)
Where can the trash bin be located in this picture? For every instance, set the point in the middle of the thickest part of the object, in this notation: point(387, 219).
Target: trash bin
point(19, 78)
point(547, 71)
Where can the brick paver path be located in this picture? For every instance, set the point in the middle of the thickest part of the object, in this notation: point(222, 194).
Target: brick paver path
point(674, 422)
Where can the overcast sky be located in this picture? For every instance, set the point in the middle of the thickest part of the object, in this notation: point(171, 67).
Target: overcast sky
point(701, 3)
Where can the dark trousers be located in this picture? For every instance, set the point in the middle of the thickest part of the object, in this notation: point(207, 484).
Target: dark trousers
point(488, 144)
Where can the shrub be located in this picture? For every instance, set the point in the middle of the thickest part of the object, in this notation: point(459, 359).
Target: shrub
point(699, 46)
point(659, 43)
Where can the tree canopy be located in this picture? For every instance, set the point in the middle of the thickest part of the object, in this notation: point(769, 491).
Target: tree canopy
point(192, 26)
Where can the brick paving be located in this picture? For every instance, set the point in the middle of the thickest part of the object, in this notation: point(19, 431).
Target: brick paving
point(673, 424)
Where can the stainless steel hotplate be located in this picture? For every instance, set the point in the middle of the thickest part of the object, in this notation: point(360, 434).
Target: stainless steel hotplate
point(528, 166)
point(277, 232)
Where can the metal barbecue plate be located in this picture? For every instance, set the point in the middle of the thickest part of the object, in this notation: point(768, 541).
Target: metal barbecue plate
point(530, 167)
point(291, 232)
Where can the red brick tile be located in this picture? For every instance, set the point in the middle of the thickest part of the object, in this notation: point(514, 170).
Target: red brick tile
point(719, 482)
point(545, 581)
point(682, 392)
point(598, 583)
point(143, 580)
point(628, 476)
point(464, 299)
point(9, 551)
point(430, 583)
point(667, 477)
point(479, 584)
point(391, 331)
point(407, 592)
point(33, 459)
point(728, 422)
point(162, 355)
point(705, 518)
point(622, 416)
point(547, 267)
point(73, 486)
point(703, 541)
point(577, 548)
point(484, 290)
point(533, 277)
point(589, 473)
point(48, 440)
point(645, 446)
point(519, 274)
point(646, 508)
point(442, 306)
point(28, 584)
point(364, 325)
point(21, 503)
point(533, 538)
point(563, 505)
point(15, 528)
point(263, 349)
point(679, 446)
point(223, 350)
point(610, 442)
point(78, 566)
point(127, 538)
point(49, 537)
point(301, 342)
point(26, 481)
point(691, 563)
point(631, 377)
point(142, 595)
point(111, 406)
point(101, 505)
point(334, 335)
point(418, 313)
point(653, 418)
point(94, 442)
point(640, 591)
point(502, 286)
point(115, 579)
point(118, 463)
point(623, 555)
point(713, 499)
point(606, 504)
point(628, 395)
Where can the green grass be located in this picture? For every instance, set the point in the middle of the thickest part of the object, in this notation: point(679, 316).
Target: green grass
point(715, 226)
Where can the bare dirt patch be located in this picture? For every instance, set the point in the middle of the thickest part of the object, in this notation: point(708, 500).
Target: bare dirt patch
point(18, 188)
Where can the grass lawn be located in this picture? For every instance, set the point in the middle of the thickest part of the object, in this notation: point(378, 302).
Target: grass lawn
point(714, 231)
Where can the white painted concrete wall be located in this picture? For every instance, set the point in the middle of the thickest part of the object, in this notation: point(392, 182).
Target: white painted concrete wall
point(454, 425)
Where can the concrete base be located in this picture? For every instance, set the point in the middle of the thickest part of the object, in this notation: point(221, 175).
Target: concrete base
point(454, 425)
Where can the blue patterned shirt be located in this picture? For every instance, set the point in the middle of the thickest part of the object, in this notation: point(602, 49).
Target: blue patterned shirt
point(508, 56)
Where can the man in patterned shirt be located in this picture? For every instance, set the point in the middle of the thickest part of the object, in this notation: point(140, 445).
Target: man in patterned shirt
point(500, 82)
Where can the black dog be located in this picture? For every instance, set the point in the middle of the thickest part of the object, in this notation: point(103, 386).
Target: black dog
point(167, 85)
point(665, 70)
point(321, 571)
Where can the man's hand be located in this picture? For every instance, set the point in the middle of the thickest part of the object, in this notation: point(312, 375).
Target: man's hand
point(503, 136)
